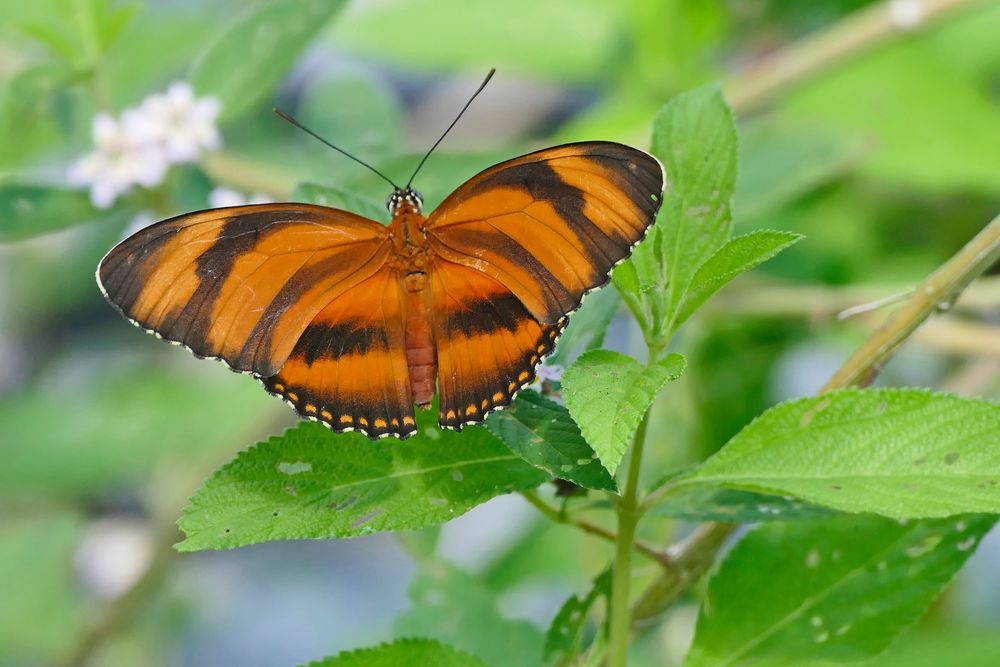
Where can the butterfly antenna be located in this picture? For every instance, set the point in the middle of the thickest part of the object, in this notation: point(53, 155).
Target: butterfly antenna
point(474, 95)
point(339, 150)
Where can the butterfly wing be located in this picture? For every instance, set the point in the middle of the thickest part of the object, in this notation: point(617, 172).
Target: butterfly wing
point(488, 343)
point(552, 224)
point(515, 250)
point(349, 369)
point(241, 283)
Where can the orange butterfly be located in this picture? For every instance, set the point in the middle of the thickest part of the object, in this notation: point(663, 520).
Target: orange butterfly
point(351, 321)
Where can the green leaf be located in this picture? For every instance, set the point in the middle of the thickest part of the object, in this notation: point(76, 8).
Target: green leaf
point(695, 137)
point(410, 651)
point(737, 256)
point(897, 452)
point(313, 483)
point(542, 433)
point(562, 641)
point(697, 503)
point(455, 607)
point(587, 326)
point(30, 210)
point(836, 590)
point(608, 393)
point(325, 195)
point(251, 57)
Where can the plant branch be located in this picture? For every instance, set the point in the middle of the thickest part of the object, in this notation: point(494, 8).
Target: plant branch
point(695, 556)
point(937, 292)
point(750, 296)
point(592, 528)
point(804, 59)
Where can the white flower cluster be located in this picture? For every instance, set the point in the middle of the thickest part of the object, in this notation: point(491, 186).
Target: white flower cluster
point(138, 147)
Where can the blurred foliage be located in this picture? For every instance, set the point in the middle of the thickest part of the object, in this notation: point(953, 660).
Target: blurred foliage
point(885, 161)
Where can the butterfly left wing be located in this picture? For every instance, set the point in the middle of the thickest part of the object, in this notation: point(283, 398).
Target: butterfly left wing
point(241, 283)
point(552, 224)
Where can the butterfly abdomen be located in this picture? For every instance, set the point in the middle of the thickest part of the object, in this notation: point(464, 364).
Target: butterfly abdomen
point(420, 357)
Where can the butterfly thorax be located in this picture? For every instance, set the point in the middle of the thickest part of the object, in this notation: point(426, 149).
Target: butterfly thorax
point(411, 262)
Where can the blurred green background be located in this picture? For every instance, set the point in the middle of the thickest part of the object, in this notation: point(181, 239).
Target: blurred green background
point(872, 128)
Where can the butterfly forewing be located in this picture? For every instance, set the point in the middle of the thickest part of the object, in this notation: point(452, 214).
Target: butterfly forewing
point(551, 225)
point(241, 283)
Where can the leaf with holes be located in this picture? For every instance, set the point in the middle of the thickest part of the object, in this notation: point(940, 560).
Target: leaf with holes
point(737, 256)
point(542, 433)
point(848, 586)
point(903, 453)
point(251, 57)
point(562, 641)
point(312, 483)
point(455, 607)
point(411, 651)
point(607, 394)
point(702, 503)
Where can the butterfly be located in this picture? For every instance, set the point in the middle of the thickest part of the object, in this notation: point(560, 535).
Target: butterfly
point(354, 323)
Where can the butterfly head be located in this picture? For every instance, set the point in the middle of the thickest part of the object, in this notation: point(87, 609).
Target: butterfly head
point(405, 200)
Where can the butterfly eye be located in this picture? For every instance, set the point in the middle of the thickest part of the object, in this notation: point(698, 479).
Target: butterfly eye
point(419, 196)
point(391, 202)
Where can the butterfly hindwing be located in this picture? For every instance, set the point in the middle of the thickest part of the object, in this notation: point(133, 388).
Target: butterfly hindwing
point(552, 224)
point(348, 369)
point(488, 344)
point(241, 283)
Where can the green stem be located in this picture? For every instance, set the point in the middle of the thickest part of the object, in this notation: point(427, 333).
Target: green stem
point(621, 580)
point(592, 528)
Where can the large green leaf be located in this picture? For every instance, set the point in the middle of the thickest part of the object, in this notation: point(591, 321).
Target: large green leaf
point(251, 56)
point(698, 503)
point(411, 651)
point(455, 607)
point(737, 256)
point(312, 483)
point(608, 393)
point(897, 452)
point(562, 641)
point(542, 433)
point(836, 590)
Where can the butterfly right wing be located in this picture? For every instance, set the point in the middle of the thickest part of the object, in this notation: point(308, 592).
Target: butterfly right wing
point(348, 369)
point(242, 283)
